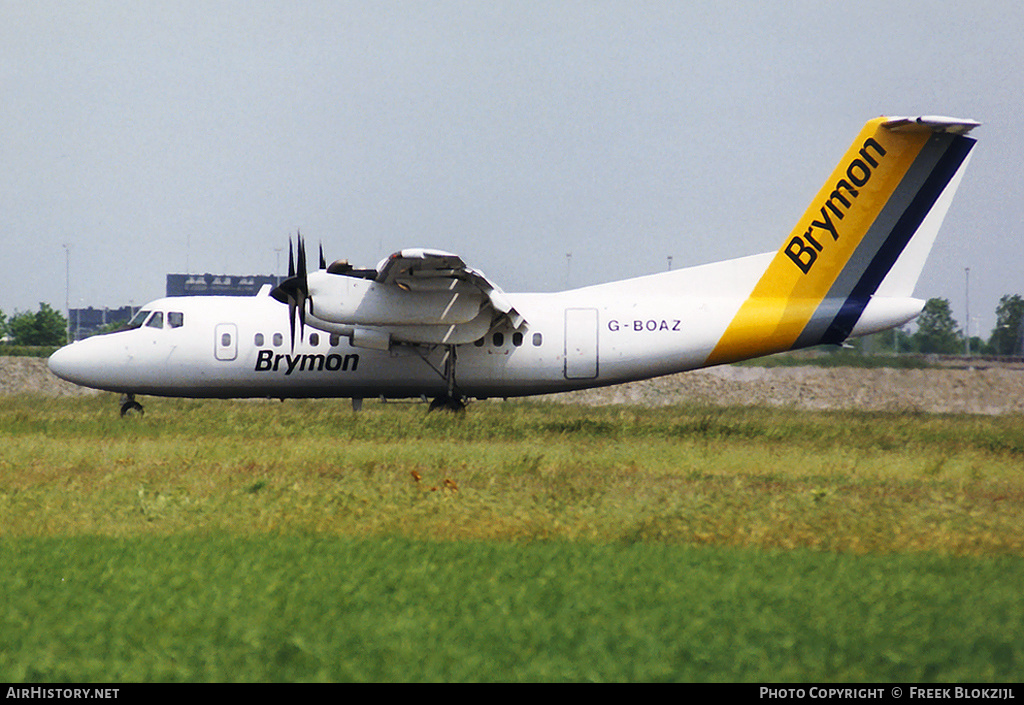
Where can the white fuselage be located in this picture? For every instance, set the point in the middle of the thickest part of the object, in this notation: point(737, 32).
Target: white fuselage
point(595, 336)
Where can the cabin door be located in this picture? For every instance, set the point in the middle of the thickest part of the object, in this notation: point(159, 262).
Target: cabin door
point(580, 343)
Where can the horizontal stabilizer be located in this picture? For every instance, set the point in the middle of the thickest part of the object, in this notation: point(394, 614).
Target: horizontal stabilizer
point(930, 123)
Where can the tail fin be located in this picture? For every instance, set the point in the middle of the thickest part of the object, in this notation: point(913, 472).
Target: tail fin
point(866, 234)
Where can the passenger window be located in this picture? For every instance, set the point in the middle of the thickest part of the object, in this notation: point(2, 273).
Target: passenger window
point(335, 339)
point(537, 339)
point(259, 340)
point(499, 340)
point(479, 343)
point(278, 340)
point(175, 319)
point(156, 320)
point(225, 340)
point(517, 339)
point(314, 339)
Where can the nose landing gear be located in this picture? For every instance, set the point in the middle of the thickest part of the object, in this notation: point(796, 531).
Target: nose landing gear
point(130, 407)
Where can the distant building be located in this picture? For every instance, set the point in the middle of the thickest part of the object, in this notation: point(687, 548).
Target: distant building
point(84, 322)
point(217, 284)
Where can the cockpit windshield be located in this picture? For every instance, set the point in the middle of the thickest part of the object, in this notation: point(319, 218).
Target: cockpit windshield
point(138, 319)
point(155, 319)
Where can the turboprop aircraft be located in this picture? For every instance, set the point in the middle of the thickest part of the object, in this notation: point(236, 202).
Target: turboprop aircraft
point(424, 324)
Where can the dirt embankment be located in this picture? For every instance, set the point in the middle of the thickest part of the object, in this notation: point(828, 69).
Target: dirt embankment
point(30, 375)
point(988, 389)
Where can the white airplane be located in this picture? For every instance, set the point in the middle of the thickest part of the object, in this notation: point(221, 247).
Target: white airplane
point(423, 324)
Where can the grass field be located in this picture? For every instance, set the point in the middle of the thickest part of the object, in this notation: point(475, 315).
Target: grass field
point(521, 541)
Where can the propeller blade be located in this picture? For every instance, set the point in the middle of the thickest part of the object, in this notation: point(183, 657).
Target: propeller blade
point(294, 290)
point(303, 285)
point(323, 262)
point(291, 320)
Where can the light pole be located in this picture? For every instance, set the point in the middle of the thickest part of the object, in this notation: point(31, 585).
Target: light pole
point(967, 305)
point(67, 289)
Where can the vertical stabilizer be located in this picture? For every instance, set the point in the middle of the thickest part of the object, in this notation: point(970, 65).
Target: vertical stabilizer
point(867, 233)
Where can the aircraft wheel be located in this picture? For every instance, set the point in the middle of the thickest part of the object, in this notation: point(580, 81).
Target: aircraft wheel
point(132, 408)
point(446, 403)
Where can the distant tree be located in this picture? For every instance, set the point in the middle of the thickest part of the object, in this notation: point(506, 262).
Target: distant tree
point(937, 331)
point(979, 346)
point(887, 342)
point(1006, 338)
point(111, 327)
point(903, 342)
point(3, 325)
point(44, 327)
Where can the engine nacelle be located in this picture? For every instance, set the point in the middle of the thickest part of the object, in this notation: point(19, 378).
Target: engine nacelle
point(382, 338)
point(362, 302)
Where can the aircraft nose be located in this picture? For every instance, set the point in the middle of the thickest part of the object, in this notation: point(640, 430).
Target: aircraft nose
point(66, 363)
point(100, 362)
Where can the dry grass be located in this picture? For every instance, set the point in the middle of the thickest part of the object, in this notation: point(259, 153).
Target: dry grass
point(848, 482)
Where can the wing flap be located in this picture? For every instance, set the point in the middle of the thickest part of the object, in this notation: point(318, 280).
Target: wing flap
point(418, 268)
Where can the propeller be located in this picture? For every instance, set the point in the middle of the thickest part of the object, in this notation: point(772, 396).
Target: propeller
point(294, 290)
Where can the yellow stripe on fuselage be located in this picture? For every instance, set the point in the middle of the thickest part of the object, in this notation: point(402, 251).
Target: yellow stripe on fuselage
point(813, 255)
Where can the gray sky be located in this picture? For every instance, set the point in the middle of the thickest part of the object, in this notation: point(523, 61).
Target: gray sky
point(152, 137)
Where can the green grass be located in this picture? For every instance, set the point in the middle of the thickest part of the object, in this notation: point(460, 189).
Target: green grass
point(27, 350)
point(521, 541)
point(285, 608)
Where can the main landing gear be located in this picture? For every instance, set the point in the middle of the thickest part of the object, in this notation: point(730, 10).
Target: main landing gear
point(130, 407)
point(451, 401)
point(448, 403)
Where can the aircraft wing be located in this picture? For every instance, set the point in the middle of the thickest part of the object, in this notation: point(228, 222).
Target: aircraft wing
point(420, 269)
